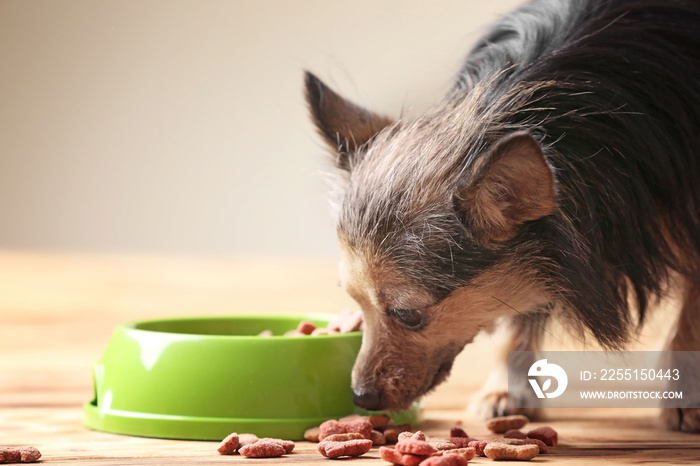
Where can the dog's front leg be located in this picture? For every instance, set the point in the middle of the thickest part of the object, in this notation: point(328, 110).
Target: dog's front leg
point(686, 338)
point(517, 333)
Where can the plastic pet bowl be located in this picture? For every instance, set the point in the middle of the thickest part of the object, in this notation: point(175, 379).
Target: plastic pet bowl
point(203, 378)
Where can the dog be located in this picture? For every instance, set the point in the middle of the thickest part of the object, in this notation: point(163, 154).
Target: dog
point(559, 177)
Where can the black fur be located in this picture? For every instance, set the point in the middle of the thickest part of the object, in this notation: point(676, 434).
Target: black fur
point(611, 89)
point(621, 121)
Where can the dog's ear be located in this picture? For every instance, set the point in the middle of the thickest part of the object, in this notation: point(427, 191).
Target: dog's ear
point(343, 125)
point(512, 184)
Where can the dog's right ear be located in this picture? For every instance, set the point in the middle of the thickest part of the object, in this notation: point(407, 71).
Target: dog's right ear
point(513, 184)
point(344, 126)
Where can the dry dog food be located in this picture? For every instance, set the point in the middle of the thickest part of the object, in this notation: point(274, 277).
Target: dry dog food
point(458, 432)
point(393, 456)
point(246, 439)
point(418, 435)
point(441, 444)
point(445, 460)
point(343, 427)
point(504, 451)
point(461, 442)
point(468, 453)
point(344, 437)
point(392, 432)
point(499, 425)
point(377, 438)
point(229, 445)
point(515, 433)
point(253, 447)
point(312, 434)
point(262, 449)
point(379, 428)
point(415, 447)
point(347, 321)
point(379, 421)
point(525, 441)
point(546, 434)
point(478, 446)
point(353, 448)
point(288, 445)
point(19, 454)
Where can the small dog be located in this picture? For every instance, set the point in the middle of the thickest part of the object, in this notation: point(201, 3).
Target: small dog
point(559, 177)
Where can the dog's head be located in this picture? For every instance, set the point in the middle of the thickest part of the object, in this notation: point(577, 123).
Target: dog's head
point(431, 217)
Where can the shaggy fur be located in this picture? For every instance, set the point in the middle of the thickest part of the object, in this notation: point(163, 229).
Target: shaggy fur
point(563, 165)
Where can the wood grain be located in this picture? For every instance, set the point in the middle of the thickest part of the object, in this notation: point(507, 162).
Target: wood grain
point(58, 310)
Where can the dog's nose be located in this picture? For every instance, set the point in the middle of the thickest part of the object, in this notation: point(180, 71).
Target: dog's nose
point(367, 399)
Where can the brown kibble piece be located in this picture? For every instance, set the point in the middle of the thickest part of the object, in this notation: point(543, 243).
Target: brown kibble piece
point(262, 449)
point(312, 434)
point(525, 441)
point(445, 460)
point(440, 444)
point(417, 435)
point(288, 445)
point(305, 327)
point(29, 454)
point(458, 432)
point(468, 453)
point(246, 439)
point(343, 437)
point(377, 438)
point(229, 445)
point(504, 451)
point(479, 446)
point(392, 433)
point(19, 454)
point(514, 433)
point(546, 434)
point(415, 447)
point(499, 425)
point(461, 442)
point(357, 447)
point(338, 427)
point(395, 457)
point(379, 421)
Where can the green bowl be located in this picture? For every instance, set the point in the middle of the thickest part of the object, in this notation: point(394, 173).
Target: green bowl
point(203, 378)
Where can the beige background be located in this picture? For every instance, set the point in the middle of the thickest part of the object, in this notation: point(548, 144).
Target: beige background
point(179, 126)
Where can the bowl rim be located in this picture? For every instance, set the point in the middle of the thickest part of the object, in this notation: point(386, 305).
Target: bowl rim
point(134, 326)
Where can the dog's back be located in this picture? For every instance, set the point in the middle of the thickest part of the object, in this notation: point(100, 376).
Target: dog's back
point(615, 95)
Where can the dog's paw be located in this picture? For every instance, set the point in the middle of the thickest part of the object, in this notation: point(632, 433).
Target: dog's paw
point(487, 404)
point(682, 419)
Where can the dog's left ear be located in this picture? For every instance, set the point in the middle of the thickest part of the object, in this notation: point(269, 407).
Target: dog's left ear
point(344, 125)
point(512, 184)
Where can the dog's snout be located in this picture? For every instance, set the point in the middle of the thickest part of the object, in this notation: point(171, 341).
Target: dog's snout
point(367, 399)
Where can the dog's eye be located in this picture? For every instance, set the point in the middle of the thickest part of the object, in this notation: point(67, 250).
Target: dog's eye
point(411, 318)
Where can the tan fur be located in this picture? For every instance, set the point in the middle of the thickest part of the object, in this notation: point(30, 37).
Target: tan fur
point(518, 186)
point(426, 356)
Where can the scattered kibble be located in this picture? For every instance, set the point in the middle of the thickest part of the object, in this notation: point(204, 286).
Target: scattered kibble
point(500, 425)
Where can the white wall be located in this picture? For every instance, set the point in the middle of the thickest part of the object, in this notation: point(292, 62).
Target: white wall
point(179, 126)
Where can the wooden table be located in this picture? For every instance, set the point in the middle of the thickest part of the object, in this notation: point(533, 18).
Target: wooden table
point(58, 310)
